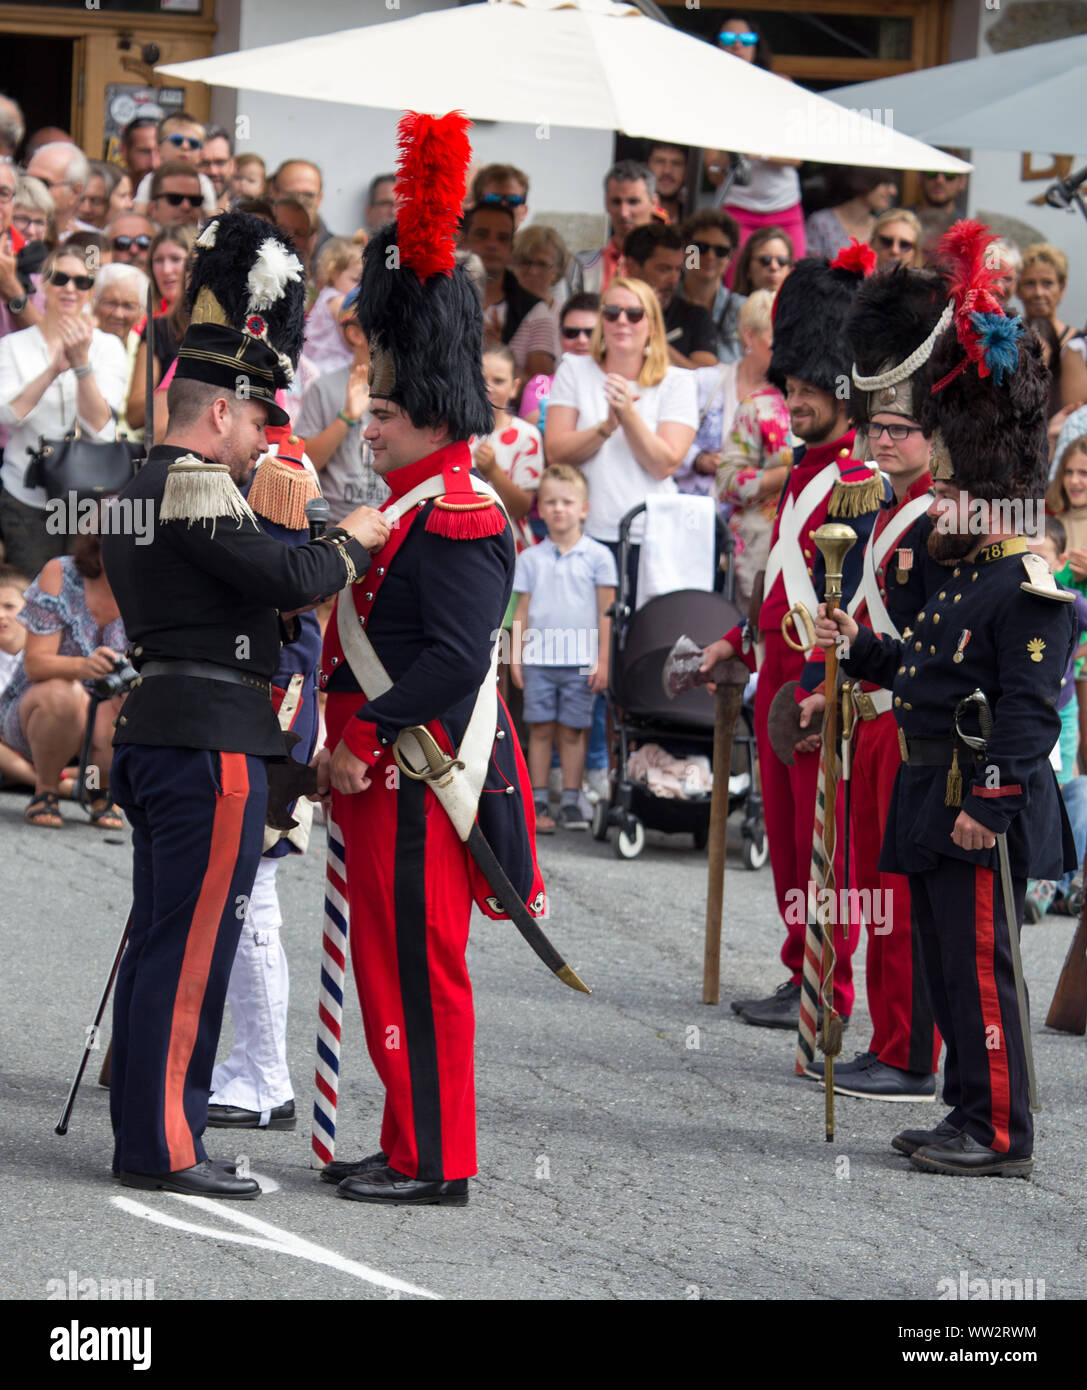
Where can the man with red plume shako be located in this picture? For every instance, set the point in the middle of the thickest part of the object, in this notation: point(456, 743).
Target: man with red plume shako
point(408, 665)
point(975, 678)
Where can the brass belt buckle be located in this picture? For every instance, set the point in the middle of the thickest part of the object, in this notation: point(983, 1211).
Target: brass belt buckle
point(439, 764)
point(865, 708)
point(902, 746)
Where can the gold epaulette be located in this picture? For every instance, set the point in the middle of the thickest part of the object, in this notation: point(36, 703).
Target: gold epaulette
point(199, 490)
point(280, 491)
point(856, 498)
point(1040, 581)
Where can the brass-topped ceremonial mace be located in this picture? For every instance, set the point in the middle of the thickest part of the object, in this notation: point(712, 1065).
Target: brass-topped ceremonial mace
point(834, 540)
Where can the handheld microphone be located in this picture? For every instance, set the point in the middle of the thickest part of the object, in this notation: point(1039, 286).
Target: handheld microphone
point(317, 517)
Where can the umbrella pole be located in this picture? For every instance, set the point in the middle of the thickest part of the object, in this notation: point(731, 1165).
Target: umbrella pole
point(727, 703)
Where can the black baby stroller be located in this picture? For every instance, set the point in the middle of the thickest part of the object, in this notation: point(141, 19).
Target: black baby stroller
point(641, 713)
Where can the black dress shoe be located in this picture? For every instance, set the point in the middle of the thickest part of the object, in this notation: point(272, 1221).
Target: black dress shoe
point(878, 1081)
point(781, 1010)
point(910, 1140)
point(204, 1180)
point(341, 1168)
point(817, 1069)
point(231, 1117)
point(390, 1188)
point(963, 1156)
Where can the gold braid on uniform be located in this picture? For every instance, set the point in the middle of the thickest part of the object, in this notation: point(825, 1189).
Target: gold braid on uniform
point(856, 499)
point(338, 538)
point(198, 490)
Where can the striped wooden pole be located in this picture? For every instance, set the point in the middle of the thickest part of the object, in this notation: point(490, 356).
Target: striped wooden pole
point(330, 1002)
point(812, 976)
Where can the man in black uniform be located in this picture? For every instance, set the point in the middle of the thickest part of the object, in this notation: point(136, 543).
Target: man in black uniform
point(999, 626)
point(200, 607)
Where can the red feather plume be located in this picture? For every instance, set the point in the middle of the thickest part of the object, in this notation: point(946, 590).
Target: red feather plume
point(962, 252)
point(430, 182)
point(857, 257)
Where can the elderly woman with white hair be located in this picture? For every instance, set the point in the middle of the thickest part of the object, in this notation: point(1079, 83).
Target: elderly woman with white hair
point(118, 300)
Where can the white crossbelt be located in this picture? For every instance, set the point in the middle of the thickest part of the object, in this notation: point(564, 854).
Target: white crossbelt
point(787, 557)
point(461, 792)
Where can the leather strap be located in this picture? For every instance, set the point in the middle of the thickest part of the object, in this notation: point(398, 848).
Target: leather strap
point(875, 552)
point(207, 671)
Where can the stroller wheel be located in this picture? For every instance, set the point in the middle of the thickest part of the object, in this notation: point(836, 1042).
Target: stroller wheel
point(756, 851)
point(600, 821)
point(630, 845)
point(701, 836)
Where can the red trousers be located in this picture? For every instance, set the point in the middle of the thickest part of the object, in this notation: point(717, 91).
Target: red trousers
point(903, 1032)
point(410, 902)
point(788, 795)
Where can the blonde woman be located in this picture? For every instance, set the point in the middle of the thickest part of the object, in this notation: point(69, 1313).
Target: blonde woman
point(896, 239)
point(622, 414)
point(1043, 280)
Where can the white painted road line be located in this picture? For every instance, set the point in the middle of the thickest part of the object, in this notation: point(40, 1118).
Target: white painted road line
point(266, 1237)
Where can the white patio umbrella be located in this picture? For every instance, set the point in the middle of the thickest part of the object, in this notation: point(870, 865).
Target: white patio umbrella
point(1029, 99)
point(587, 63)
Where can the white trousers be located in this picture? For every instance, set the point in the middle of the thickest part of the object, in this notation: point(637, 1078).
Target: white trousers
point(255, 1075)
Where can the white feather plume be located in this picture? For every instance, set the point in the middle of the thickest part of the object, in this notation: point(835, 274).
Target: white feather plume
point(206, 239)
point(270, 274)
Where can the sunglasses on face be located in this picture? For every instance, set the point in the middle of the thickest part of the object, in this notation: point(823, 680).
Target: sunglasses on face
point(126, 243)
point(711, 248)
point(613, 312)
point(503, 200)
point(185, 142)
point(60, 278)
point(571, 333)
point(767, 261)
point(890, 243)
point(729, 37)
point(896, 432)
point(194, 200)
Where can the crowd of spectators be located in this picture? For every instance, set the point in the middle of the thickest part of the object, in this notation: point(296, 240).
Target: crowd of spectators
point(641, 362)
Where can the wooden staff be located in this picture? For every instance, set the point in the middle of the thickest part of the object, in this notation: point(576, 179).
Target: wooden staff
point(731, 677)
point(1068, 1011)
point(834, 541)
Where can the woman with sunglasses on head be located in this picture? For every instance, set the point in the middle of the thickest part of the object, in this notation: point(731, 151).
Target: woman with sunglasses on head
point(577, 320)
point(54, 376)
point(764, 262)
point(712, 237)
point(771, 196)
point(168, 256)
point(622, 414)
point(896, 239)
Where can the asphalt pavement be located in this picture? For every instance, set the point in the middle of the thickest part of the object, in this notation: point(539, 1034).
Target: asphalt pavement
point(635, 1145)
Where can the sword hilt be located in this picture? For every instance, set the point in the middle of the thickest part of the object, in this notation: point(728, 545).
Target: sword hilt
point(439, 764)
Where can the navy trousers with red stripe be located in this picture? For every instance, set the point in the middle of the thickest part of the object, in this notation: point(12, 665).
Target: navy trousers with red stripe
point(197, 822)
point(410, 900)
point(966, 953)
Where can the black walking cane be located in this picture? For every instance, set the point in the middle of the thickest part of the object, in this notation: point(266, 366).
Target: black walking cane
point(92, 1032)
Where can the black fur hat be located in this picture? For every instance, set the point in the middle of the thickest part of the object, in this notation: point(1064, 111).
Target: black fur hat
point(246, 276)
point(809, 320)
point(995, 435)
point(426, 340)
point(890, 323)
point(417, 307)
point(986, 407)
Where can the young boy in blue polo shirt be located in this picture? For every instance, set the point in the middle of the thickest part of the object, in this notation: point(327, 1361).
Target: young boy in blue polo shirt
point(561, 631)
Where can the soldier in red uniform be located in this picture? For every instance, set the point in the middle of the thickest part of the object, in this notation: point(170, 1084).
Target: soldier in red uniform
point(411, 644)
point(811, 363)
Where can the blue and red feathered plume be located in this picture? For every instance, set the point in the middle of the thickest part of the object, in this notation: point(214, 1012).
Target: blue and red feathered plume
point(987, 336)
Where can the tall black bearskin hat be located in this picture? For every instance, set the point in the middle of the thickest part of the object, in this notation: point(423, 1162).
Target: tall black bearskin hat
point(892, 329)
point(417, 307)
point(809, 319)
point(247, 298)
point(986, 407)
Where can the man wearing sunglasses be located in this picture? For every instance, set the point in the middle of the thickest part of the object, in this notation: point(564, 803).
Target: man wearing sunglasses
point(502, 185)
point(180, 141)
point(130, 238)
point(943, 201)
point(177, 198)
point(654, 254)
